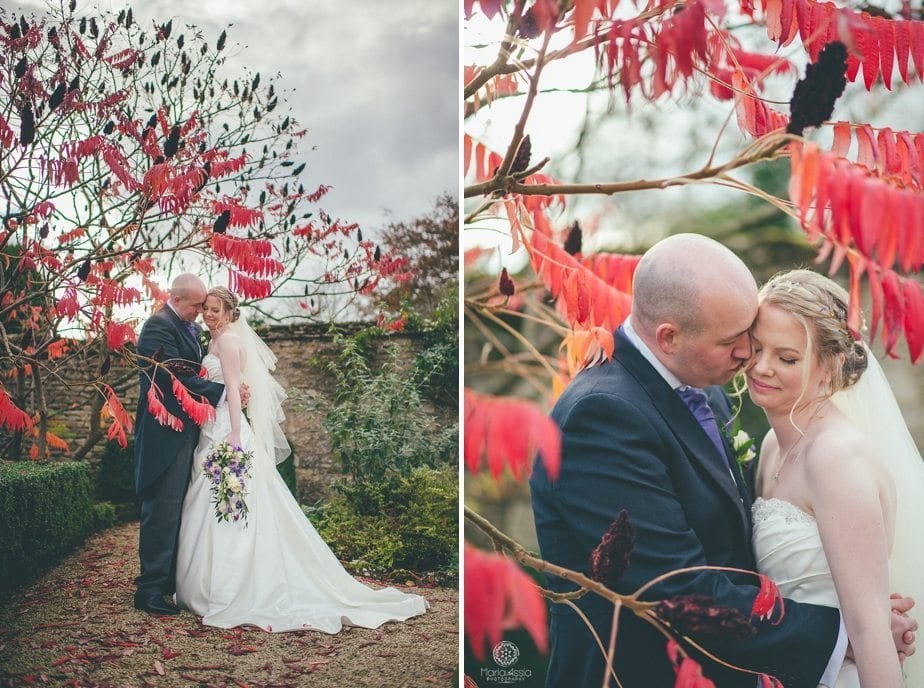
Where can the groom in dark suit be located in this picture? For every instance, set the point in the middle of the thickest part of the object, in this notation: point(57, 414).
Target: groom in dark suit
point(163, 456)
point(635, 438)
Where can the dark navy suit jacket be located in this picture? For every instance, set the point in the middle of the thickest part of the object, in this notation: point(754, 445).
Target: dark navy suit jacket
point(157, 446)
point(629, 442)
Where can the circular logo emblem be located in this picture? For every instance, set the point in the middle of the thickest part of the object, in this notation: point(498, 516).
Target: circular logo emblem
point(506, 653)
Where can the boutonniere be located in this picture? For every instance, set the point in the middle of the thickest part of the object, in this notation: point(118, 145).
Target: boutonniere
point(742, 445)
point(741, 442)
point(204, 340)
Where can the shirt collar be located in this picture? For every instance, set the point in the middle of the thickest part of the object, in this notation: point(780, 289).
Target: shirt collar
point(648, 355)
point(187, 323)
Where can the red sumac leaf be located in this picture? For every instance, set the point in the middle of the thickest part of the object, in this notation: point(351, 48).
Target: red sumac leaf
point(500, 596)
point(767, 600)
point(509, 433)
point(914, 318)
point(893, 311)
point(12, 418)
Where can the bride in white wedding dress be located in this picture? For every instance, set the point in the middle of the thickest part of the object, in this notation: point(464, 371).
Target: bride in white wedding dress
point(274, 571)
point(838, 518)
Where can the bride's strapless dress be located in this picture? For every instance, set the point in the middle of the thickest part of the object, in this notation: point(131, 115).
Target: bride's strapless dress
point(788, 549)
point(276, 573)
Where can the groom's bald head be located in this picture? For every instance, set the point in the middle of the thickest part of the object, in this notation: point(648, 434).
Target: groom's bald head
point(187, 294)
point(677, 276)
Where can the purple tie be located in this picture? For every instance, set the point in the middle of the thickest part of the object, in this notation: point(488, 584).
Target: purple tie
point(696, 401)
point(191, 328)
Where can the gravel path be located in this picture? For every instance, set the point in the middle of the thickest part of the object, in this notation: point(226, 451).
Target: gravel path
point(75, 626)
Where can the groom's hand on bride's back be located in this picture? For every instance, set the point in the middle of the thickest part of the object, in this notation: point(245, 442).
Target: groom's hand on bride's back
point(245, 394)
point(903, 626)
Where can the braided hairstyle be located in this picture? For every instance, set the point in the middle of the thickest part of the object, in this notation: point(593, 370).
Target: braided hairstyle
point(229, 301)
point(821, 305)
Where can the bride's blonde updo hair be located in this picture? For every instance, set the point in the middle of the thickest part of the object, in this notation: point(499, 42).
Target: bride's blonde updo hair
point(821, 305)
point(229, 301)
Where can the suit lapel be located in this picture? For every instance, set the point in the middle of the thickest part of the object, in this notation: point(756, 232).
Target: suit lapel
point(680, 420)
point(740, 482)
point(196, 340)
point(720, 406)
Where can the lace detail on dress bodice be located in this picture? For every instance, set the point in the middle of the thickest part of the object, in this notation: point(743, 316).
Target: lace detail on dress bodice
point(212, 366)
point(764, 509)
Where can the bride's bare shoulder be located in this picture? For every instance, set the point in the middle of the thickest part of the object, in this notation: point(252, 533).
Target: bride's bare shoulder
point(227, 344)
point(840, 448)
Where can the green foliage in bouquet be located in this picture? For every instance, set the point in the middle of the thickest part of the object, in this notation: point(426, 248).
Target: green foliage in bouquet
point(46, 509)
point(406, 522)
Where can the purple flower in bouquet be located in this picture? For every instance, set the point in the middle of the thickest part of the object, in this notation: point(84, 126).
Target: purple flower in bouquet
point(228, 469)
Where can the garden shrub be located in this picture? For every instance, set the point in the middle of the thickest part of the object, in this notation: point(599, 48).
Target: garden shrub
point(105, 515)
point(436, 367)
point(405, 522)
point(287, 471)
point(46, 510)
point(115, 479)
point(378, 427)
point(398, 509)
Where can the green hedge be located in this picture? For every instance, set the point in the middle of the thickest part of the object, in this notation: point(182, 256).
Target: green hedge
point(46, 510)
point(115, 482)
point(115, 479)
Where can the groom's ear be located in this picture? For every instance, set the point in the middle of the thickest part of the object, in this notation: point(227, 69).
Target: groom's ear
point(667, 336)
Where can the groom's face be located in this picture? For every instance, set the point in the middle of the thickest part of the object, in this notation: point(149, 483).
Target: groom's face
point(714, 353)
point(189, 306)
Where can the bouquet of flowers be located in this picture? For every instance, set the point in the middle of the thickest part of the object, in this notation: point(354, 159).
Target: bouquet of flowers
point(228, 469)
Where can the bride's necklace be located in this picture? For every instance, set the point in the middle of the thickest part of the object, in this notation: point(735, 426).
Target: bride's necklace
point(785, 458)
point(817, 415)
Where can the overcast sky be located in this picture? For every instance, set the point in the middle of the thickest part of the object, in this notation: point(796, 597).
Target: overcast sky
point(375, 82)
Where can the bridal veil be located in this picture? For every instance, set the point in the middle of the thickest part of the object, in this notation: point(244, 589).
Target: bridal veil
point(264, 410)
point(871, 406)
